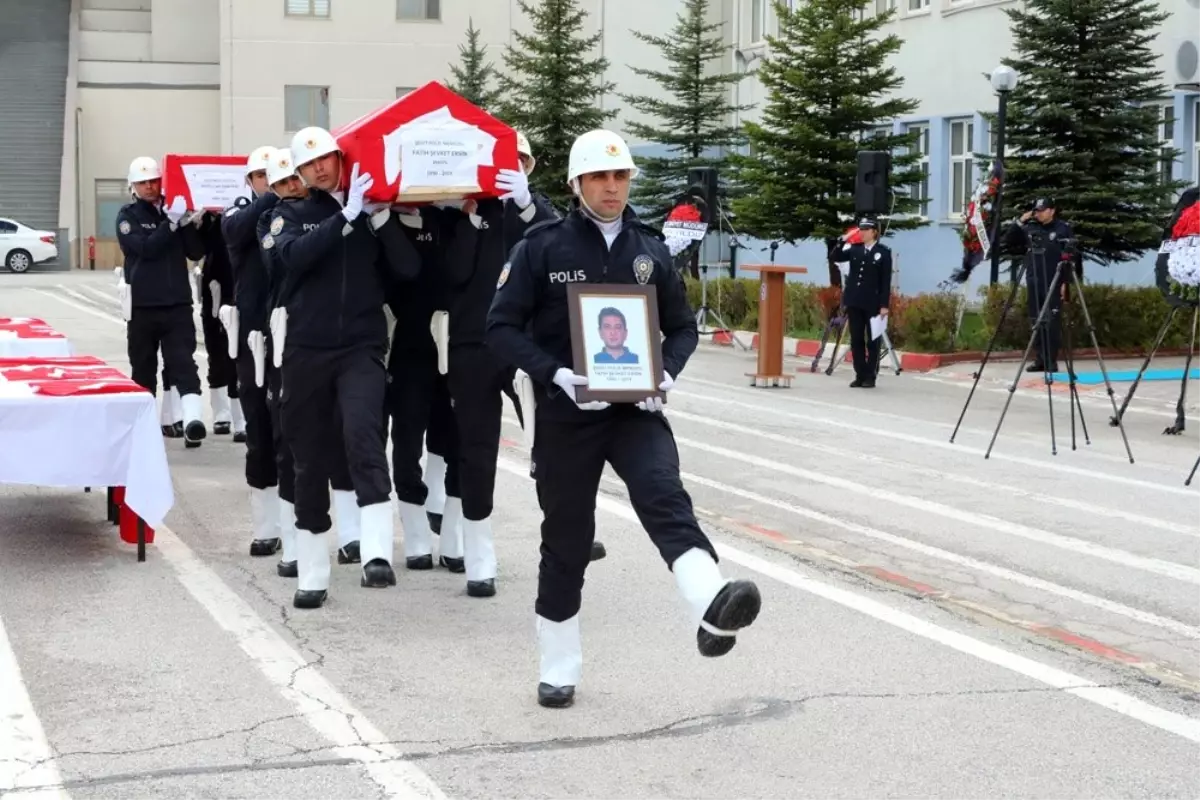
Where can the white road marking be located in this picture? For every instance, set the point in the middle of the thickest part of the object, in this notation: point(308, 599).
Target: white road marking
point(840, 424)
point(322, 706)
point(1111, 699)
point(23, 743)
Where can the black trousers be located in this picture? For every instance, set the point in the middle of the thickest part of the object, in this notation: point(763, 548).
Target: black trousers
point(262, 469)
point(285, 468)
point(1048, 337)
point(476, 377)
point(411, 377)
point(172, 329)
point(441, 438)
point(863, 349)
point(222, 371)
point(316, 385)
point(569, 458)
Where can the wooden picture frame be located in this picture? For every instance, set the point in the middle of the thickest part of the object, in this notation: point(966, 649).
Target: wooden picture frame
point(632, 375)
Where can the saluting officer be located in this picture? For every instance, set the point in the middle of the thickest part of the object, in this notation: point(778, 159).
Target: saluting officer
point(337, 261)
point(602, 241)
point(866, 293)
point(157, 245)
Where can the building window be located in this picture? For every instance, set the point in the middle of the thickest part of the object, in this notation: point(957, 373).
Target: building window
point(419, 9)
point(403, 90)
point(111, 195)
point(306, 8)
point(918, 5)
point(1165, 128)
point(884, 6)
point(962, 164)
point(920, 191)
point(304, 106)
point(758, 15)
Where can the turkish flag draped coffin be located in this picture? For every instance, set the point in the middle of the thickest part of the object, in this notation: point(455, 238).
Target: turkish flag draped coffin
point(66, 376)
point(210, 183)
point(429, 145)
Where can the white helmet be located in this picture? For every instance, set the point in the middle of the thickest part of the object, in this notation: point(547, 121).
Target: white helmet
point(310, 144)
point(259, 159)
point(280, 166)
point(143, 168)
point(599, 151)
point(524, 149)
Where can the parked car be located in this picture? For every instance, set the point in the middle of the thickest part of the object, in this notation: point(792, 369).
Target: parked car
point(21, 246)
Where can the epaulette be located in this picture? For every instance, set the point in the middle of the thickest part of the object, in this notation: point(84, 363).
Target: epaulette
point(545, 224)
point(650, 229)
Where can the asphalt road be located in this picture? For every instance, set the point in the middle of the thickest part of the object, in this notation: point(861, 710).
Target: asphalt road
point(934, 624)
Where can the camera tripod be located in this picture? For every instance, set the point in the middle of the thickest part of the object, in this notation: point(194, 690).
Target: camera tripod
point(1178, 427)
point(1192, 474)
point(1041, 330)
point(838, 322)
point(704, 313)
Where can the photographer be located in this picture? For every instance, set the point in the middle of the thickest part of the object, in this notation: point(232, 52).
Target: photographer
point(1045, 241)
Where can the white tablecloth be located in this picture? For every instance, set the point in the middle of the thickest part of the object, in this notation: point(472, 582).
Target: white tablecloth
point(89, 440)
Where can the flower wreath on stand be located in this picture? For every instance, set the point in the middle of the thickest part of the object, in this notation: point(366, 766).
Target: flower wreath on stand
point(978, 219)
point(1182, 252)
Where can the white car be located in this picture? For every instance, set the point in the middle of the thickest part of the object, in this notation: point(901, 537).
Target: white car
point(21, 246)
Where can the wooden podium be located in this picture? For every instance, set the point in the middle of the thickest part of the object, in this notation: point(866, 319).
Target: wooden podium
point(772, 298)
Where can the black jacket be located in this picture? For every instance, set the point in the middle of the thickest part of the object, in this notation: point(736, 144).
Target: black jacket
point(529, 322)
point(1018, 237)
point(239, 225)
point(156, 255)
point(336, 273)
point(413, 302)
point(475, 257)
point(869, 284)
point(217, 266)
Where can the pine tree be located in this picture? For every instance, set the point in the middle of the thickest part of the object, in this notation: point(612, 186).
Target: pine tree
point(552, 89)
point(691, 108)
point(473, 77)
point(1078, 127)
point(828, 87)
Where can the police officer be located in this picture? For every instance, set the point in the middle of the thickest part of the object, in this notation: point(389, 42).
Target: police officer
point(337, 262)
point(1042, 237)
point(867, 291)
point(157, 244)
point(481, 235)
point(216, 290)
point(602, 241)
point(245, 323)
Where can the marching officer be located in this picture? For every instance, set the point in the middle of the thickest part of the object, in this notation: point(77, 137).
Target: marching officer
point(157, 244)
point(601, 241)
point(337, 255)
point(867, 292)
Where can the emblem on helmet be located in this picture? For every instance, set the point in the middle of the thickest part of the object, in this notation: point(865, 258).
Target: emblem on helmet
point(612, 150)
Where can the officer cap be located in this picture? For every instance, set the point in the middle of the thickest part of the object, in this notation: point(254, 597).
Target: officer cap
point(866, 223)
point(1042, 203)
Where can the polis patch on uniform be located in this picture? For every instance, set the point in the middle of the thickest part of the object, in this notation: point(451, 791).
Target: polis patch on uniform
point(503, 275)
point(268, 242)
point(643, 268)
point(276, 226)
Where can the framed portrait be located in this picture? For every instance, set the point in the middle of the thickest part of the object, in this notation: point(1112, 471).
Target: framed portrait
point(616, 341)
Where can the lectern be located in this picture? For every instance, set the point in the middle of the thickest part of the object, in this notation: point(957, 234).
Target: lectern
point(772, 298)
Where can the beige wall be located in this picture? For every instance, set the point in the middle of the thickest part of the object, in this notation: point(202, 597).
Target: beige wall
point(185, 31)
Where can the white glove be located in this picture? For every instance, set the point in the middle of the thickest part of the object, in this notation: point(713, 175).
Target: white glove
point(120, 273)
point(515, 185)
point(214, 295)
point(229, 318)
point(567, 380)
point(258, 349)
point(359, 184)
point(278, 335)
point(654, 404)
point(177, 209)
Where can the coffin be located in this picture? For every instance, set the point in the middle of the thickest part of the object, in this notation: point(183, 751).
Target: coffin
point(212, 183)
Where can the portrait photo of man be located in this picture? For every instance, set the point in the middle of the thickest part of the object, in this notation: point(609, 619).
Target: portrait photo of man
point(613, 332)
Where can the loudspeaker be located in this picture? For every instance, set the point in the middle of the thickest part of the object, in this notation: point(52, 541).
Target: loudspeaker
point(702, 187)
point(871, 183)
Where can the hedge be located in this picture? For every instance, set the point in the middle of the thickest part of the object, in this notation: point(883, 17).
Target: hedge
point(1126, 318)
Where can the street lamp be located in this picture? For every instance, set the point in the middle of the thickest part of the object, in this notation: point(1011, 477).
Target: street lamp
point(1004, 80)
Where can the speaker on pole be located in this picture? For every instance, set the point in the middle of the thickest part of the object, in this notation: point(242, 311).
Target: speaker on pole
point(702, 186)
point(871, 183)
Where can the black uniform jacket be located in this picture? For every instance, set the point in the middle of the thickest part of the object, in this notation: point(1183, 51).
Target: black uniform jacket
point(869, 283)
point(1015, 242)
point(156, 255)
point(335, 273)
point(529, 321)
point(239, 224)
point(413, 303)
point(217, 266)
point(475, 258)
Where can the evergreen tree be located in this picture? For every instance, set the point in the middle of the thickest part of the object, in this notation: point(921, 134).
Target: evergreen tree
point(828, 88)
point(1077, 126)
point(473, 77)
point(691, 108)
point(552, 89)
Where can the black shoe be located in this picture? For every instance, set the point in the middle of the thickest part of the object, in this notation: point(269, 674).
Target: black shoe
point(378, 574)
point(194, 433)
point(349, 554)
point(482, 588)
point(456, 565)
point(555, 696)
point(869, 383)
point(435, 521)
point(419, 562)
point(240, 437)
point(265, 547)
point(598, 551)
point(287, 569)
point(1036, 366)
point(174, 431)
point(221, 428)
point(857, 382)
point(735, 606)
point(309, 598)
point(190, 445)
